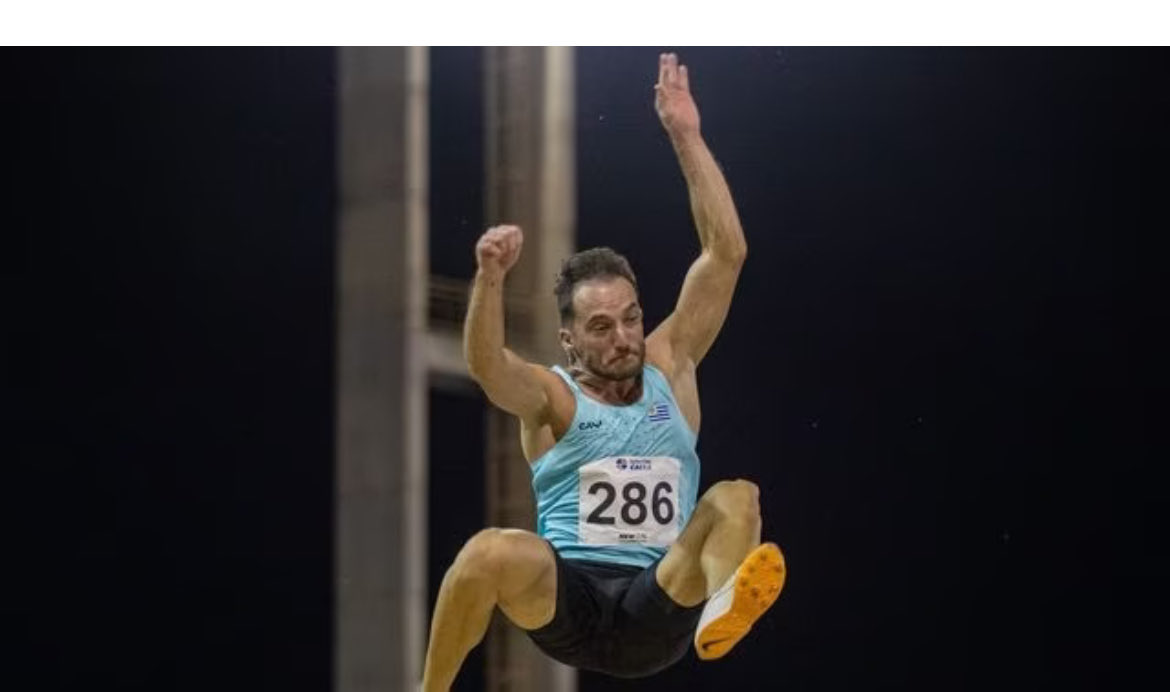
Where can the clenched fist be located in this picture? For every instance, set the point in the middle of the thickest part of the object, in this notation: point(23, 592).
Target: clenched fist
point(498, 249)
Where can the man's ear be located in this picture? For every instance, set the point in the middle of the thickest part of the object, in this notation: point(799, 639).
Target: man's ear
point(566, 339)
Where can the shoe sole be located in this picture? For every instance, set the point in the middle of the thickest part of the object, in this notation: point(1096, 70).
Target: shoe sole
point(758, 582)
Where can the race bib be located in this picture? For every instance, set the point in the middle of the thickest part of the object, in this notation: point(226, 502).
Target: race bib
point(628, 500)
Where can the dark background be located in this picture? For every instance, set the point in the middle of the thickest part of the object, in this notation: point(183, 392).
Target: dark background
point(940, 366)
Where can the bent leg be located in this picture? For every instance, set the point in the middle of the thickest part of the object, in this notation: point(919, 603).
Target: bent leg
point(513, 569)
point(723, 530)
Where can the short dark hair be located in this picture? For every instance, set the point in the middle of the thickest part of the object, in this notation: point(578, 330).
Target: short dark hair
point(594, 263)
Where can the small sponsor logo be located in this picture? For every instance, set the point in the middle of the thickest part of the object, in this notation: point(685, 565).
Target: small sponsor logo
point(589, 425)
point(624, 464)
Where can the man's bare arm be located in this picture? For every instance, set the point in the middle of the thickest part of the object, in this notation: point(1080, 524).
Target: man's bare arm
point(509, 381)
point(688, 333)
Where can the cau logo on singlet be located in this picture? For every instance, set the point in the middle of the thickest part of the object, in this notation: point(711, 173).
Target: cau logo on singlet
point(589, 425)
point(624, 464)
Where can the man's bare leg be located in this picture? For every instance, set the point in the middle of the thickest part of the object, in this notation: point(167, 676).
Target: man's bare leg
point(723, 530)
point(509, 568)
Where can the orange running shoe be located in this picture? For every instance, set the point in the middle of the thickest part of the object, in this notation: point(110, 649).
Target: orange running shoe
point(733, 609)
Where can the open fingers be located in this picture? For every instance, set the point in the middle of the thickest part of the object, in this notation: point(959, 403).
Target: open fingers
point(668, 70)
point(670, 73)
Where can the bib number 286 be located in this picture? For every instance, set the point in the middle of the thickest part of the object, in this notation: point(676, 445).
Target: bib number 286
point(634, 508)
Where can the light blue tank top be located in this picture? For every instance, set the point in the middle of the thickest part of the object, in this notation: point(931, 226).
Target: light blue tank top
point(622, 482)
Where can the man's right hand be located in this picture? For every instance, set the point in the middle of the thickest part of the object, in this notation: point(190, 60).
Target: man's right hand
point(498, 249)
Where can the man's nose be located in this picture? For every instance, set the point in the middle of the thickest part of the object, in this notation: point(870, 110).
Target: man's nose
point(622, 337)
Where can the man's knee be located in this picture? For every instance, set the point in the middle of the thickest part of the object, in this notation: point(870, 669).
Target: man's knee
point(738, 499)
point(482, 557)
point(495, 556)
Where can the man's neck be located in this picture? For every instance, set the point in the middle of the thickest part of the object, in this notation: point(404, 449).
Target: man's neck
point(612, 392)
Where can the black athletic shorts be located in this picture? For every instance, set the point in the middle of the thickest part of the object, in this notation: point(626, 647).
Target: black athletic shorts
point(615, 619)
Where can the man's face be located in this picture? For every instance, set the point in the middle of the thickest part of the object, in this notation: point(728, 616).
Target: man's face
point(606, 333)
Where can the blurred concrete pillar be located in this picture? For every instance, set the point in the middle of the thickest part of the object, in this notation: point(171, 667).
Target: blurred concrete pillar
point(529, 154)
point(380, 562)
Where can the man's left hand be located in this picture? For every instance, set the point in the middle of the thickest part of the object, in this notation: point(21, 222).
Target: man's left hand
point(672, 99)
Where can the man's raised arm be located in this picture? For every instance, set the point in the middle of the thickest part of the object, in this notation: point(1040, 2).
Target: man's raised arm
point(702, 306)
point(509, 381)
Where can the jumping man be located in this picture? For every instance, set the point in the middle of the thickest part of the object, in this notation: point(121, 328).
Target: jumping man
point(628, 566)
